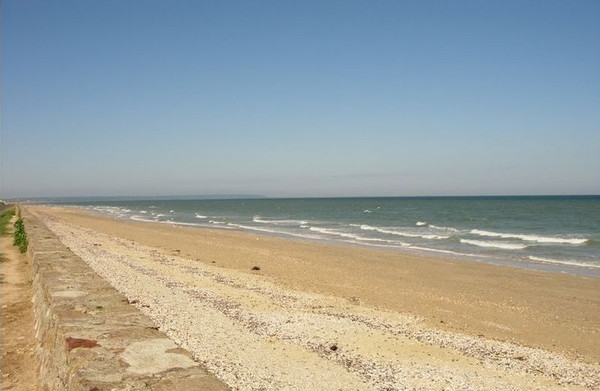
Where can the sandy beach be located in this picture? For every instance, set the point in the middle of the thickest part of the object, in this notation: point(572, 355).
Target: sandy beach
point(318, 316)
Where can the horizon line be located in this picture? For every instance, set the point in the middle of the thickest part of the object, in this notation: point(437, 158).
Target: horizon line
point(174, 197)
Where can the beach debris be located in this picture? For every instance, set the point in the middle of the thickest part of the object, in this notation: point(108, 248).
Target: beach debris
point(333, 347)
point(255, 268)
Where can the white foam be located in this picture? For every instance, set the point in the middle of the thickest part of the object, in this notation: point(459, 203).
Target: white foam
point(490, 244)
point(113, 210)
point(143, 211)
point(530, 238)
point(332, 232)
point(447, 229)
point(421, 223)
point(435, 250)
point(140, 218)
point(160, 215)
point(181, 223)
point(260, 229)
point(356, 237)
point(363, 239)
point(187, 224)
point(401, 233)
point(258, 219)
point(367, 211)
point(199, 216)
point(395, 245)
point(564, 262)
point(171, 211)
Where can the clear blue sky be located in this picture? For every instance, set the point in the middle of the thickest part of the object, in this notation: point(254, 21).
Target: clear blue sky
point(300, 98)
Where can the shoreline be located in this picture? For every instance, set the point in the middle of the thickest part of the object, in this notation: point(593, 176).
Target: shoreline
point(556, 312)
point(535, 262)
point(413, 251)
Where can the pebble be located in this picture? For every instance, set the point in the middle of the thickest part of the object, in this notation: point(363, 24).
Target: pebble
point(208, 311)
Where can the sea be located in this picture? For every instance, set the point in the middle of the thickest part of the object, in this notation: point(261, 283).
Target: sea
point(552, 233)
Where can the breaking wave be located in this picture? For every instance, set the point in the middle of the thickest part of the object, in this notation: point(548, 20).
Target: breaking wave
point(490, 244)
point(530, 238)
point(401, 233)
point(564, 262)
point(258, 219)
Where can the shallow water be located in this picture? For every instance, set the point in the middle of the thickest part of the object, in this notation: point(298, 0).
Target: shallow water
point(553, 233)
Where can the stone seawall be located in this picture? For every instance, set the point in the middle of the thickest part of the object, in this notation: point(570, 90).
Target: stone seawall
point(89, 337)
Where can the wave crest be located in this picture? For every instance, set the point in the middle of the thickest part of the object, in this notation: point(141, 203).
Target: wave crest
point(490, 244)
point(563, 262)
point(388, 231)
point(530, 238)
point(258, 219)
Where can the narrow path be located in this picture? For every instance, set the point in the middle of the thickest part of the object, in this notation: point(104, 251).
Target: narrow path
point(255, 335)
point(18, 364)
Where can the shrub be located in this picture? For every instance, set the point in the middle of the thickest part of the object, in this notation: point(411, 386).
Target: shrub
point(20, 236)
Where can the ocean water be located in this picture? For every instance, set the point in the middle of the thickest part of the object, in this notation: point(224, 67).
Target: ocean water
point(560, 234)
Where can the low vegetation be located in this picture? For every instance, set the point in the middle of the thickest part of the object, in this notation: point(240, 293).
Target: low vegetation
point(6, 216)
point(20, 236)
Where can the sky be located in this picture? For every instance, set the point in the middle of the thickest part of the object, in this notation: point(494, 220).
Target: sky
point(300, 98)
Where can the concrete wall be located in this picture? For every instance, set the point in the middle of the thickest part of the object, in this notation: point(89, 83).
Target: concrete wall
point(89, 337)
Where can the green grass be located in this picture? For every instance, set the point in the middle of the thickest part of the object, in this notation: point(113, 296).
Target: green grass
point(5, 217)
point(20, 236)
